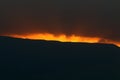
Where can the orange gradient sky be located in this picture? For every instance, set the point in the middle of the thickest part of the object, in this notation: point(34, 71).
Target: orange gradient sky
point(63, 38)
point(92, 21)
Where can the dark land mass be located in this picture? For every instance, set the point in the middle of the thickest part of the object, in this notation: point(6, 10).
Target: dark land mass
point(24, 59)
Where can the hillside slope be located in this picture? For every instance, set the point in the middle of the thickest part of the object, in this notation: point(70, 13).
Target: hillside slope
point(51, 60)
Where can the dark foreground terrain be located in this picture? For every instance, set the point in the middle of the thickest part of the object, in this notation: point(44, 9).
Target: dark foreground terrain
point(50, 60)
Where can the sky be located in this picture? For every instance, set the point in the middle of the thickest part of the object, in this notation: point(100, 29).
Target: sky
point(90, 18)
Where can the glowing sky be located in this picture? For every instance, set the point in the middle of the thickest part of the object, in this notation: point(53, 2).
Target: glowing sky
point(85, 20)
point(64, 38)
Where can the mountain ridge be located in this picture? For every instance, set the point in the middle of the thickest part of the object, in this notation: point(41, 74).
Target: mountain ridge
point(54, 41)
point(24, 59)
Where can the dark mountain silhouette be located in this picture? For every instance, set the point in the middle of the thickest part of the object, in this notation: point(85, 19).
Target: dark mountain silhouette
point(24, 59)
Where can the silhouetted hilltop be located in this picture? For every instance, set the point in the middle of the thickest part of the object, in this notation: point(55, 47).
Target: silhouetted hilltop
point(24, 59)
point(6, 39)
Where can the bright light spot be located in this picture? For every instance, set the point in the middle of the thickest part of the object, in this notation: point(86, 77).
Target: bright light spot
point(63, 38)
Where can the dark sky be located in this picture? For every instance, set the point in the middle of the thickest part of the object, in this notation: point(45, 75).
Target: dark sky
point(90, 18)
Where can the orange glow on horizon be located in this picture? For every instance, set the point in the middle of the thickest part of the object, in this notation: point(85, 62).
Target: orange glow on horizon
point(61, 38)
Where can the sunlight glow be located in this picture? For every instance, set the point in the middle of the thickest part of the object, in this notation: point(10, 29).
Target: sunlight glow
point(62, 38)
